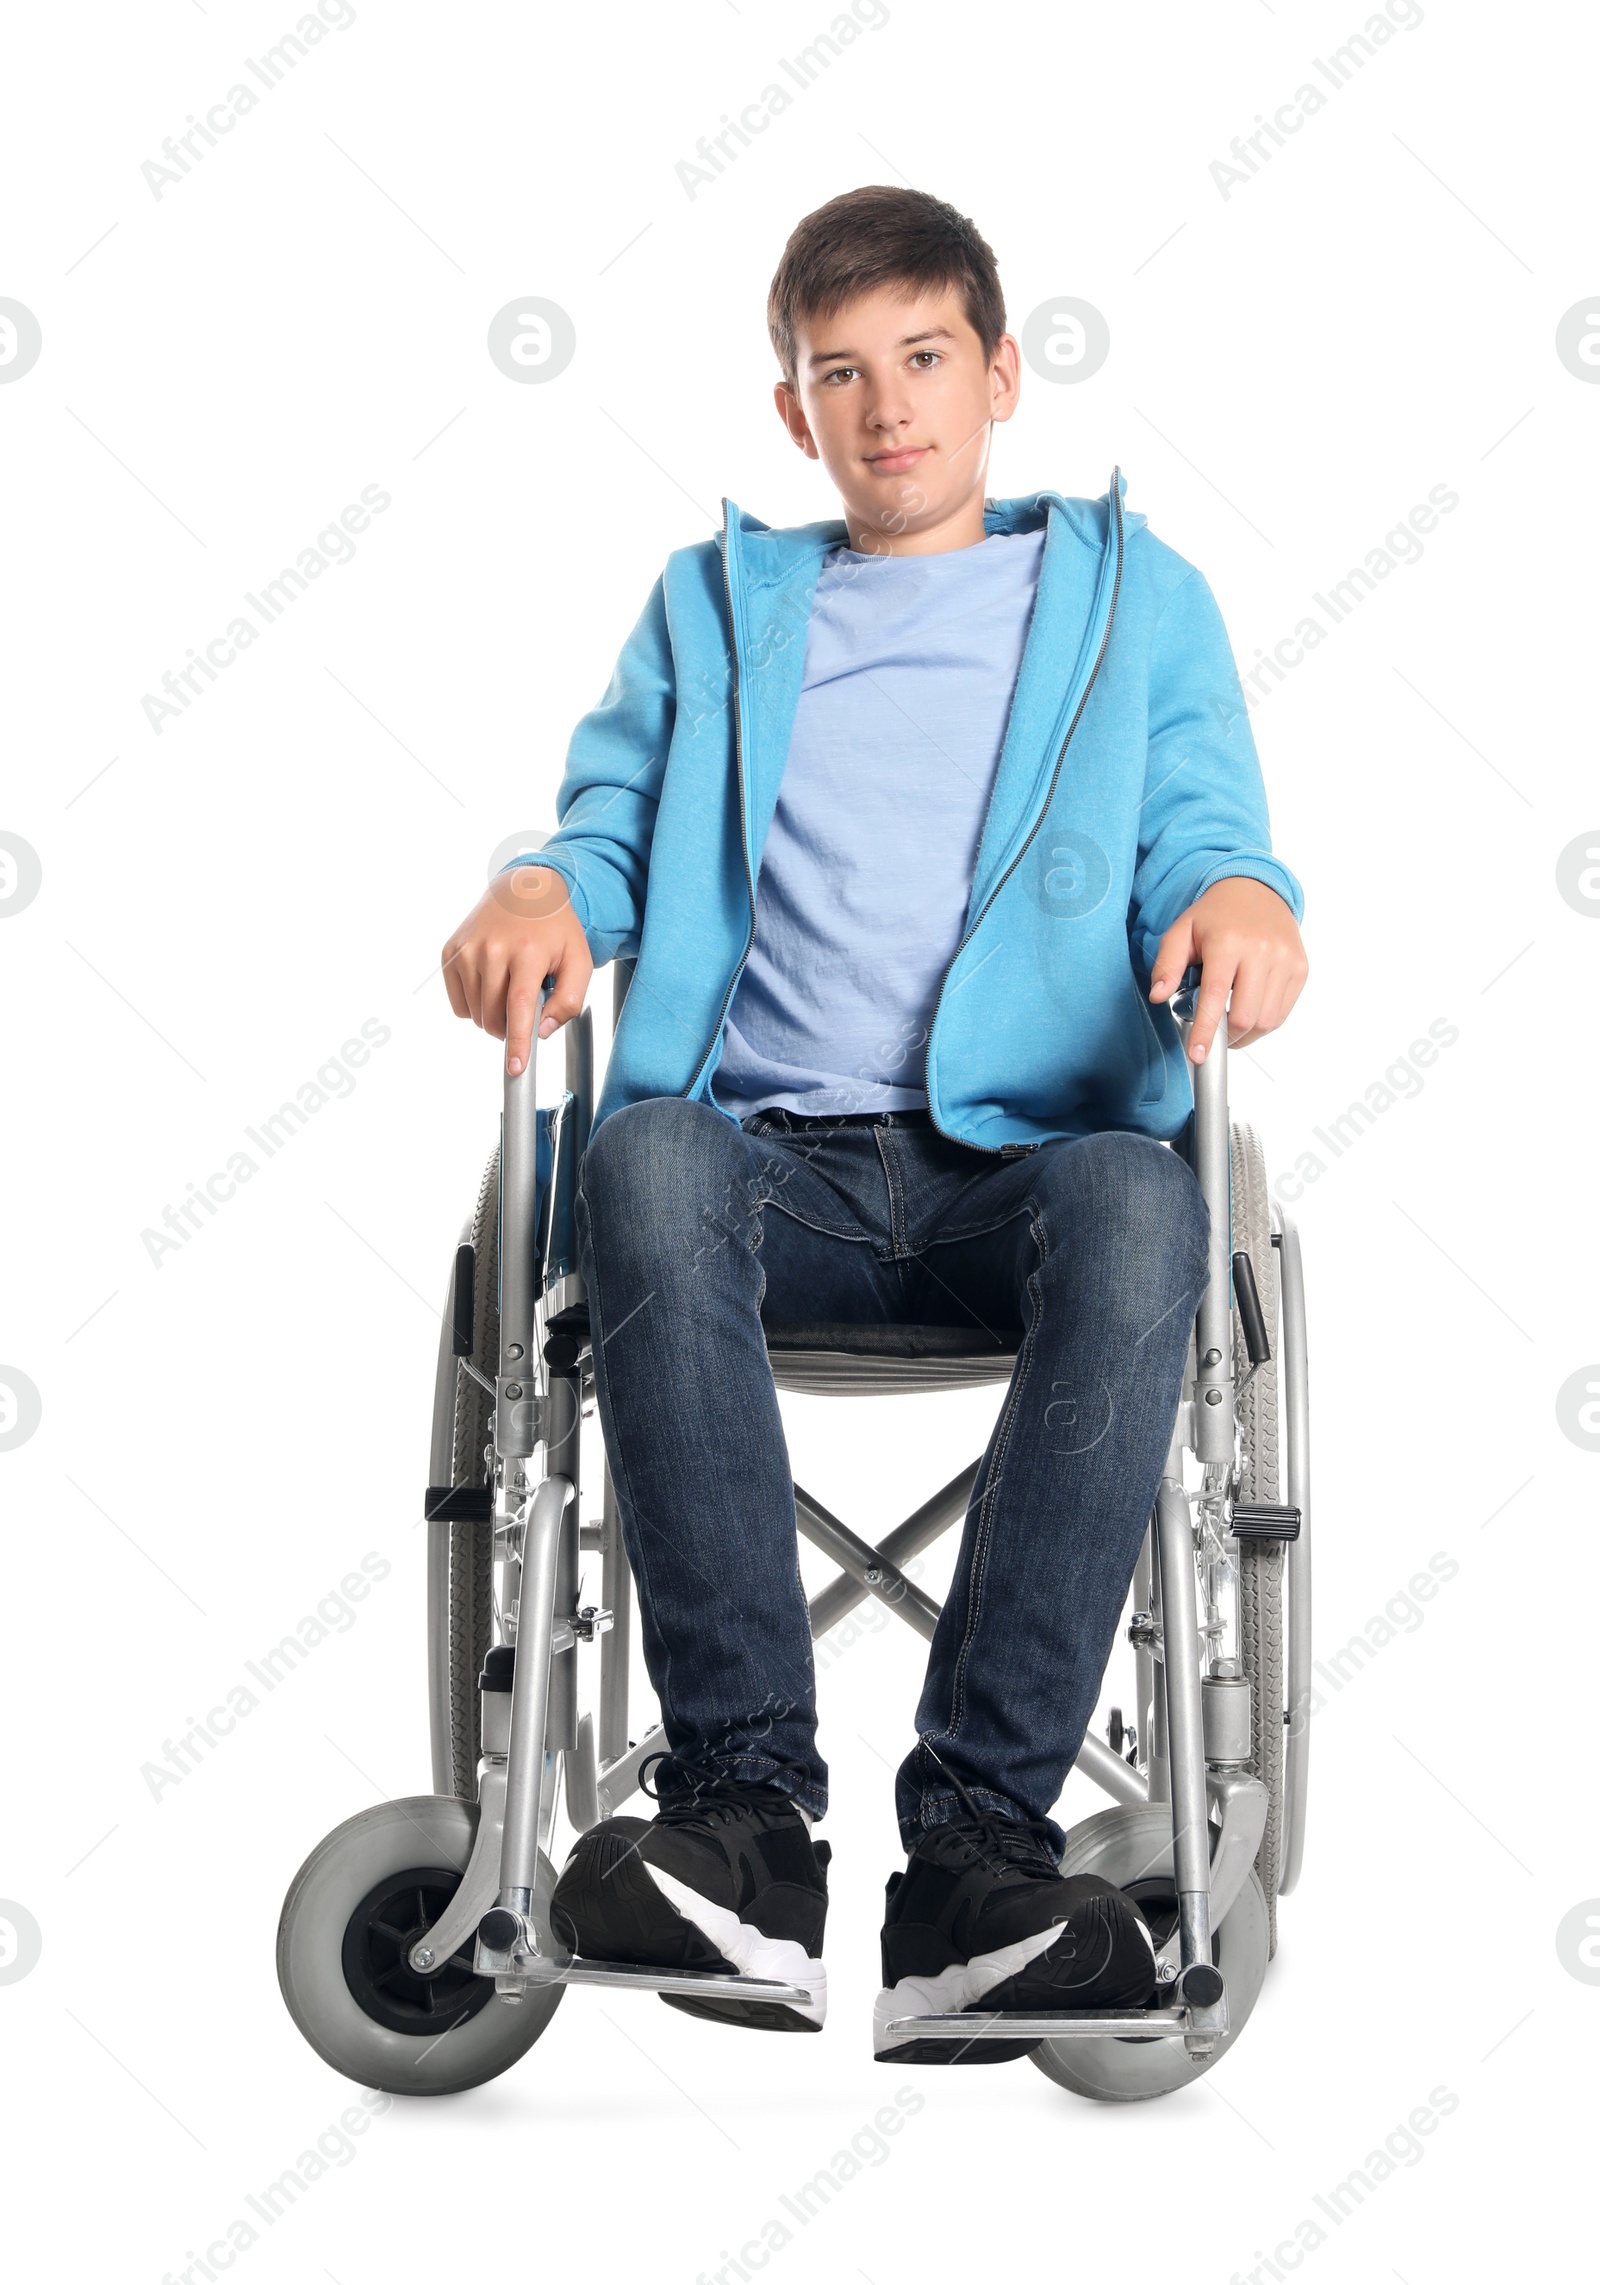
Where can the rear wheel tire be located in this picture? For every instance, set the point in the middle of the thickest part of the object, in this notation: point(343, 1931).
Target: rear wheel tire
point(463, 1432)
point(1260, 1560)
point(346, 1924)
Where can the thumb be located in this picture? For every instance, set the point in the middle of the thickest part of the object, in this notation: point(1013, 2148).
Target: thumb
point(1178, 952)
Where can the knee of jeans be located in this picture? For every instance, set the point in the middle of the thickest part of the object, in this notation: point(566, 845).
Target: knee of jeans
point(1141, 1184)
point(655, 1173)
point(639, 1141)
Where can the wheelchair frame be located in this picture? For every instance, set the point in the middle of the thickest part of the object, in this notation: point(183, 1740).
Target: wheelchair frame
point(1197, 1752)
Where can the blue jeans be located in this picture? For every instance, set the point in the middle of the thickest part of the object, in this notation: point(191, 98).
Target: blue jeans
point(696, 1234)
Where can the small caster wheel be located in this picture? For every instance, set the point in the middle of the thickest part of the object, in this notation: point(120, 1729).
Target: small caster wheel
point(354, 1910)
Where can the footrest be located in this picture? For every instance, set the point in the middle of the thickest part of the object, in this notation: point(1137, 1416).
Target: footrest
point(619, 1975)
point(458, 1503)
point(1074, 2023)
point(1264, 1519)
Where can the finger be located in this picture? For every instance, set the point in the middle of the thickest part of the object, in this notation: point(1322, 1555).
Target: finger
point(468, 967)
point(569, 986)
point(1177, 950)
point(455, 990)
point(1246, 1000)
point(1277, 994)
point(1210, 1006)
point(527, 975)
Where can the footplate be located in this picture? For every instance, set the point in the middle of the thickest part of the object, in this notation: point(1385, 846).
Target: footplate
point(620, 1976)
point(1079, 2023)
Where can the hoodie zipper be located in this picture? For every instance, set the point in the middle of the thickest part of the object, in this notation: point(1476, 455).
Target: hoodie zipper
point(1021, 1150)
point(744, 822)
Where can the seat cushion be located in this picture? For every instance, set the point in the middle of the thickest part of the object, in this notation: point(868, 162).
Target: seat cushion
point(868, 1360)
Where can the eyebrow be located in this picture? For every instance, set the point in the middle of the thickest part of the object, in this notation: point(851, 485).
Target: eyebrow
point(906, 341)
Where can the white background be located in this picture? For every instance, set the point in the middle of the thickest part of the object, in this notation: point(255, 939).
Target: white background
point(1293, 367)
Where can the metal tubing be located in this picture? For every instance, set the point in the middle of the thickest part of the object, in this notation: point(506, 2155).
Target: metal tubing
point(1213, 1165)
point(622, 1777)
point(476, 1893)
point(583, 1802)
point(1294, 1394)
point(441, 1455)
point(616, 1596)
point(1083, 2023)
point(1110, 1772)
point(920, 1530)
point(580, 1077)
point(877, 1574)
point(515, 1415)
point(1180, 1666)
point(530, 1689)
point(1143, 1663)
point(562, 1459)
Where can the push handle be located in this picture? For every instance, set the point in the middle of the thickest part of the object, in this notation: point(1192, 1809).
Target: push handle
point(519, 1169)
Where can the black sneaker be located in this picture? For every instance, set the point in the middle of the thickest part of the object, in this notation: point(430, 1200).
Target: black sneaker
point(981, 1919)
point(725, 1877)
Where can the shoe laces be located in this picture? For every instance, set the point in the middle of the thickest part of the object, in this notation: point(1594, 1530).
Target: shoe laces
point(711, 1796)
point(1001, 1842)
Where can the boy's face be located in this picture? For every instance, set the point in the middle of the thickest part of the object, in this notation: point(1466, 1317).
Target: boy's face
point(895, 397)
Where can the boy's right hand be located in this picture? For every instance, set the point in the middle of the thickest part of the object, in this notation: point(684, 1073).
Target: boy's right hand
point(522, 930)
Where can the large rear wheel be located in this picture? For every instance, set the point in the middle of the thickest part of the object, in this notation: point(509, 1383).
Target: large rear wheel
point(1261, 1561)
point(463, 1432)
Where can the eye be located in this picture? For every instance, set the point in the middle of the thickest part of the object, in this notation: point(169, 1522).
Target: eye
point(932, 355)
point(839, 373)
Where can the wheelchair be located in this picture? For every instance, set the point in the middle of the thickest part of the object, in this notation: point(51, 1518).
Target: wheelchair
point(415, 1950)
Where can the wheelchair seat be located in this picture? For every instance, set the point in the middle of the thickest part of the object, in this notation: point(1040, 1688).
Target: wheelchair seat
point(864, 1360)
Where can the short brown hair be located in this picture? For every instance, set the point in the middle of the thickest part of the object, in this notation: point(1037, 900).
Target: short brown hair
point(881, 236)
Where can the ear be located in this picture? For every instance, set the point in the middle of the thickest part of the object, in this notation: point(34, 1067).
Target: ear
point(1005, 378)
point(792, 414)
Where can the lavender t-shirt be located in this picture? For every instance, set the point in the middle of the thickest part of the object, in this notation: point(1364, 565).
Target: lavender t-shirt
point(910, 665)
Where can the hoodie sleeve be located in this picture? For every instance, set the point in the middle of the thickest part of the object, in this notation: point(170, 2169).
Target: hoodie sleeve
point(606, 802)
point(1204, 813)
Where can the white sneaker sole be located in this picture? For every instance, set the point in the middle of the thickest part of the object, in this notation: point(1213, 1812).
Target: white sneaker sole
point(965, 1984)
point(955, 1988)
point(779, 1959)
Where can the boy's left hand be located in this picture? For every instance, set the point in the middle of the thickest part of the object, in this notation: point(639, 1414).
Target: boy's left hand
point(1245, 939)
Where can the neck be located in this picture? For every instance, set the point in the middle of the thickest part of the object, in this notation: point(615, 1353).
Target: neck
point(959, 525)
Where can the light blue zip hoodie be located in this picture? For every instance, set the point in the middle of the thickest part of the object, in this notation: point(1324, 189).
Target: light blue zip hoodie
point(1127, 783)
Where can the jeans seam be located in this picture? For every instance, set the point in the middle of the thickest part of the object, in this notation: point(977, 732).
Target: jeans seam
point(816, 1796)
point(980, 1552)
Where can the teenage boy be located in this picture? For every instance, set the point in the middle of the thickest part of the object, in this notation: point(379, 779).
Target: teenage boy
point(912, 823)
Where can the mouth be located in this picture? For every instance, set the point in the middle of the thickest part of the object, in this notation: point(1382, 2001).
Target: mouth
point(898, 459)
